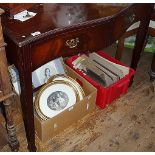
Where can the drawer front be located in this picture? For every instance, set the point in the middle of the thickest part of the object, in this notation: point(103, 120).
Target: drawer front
point(94, 37)
point(66, 45)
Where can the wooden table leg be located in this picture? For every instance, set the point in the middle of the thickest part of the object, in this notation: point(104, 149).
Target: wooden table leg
point(26, 96)
point(7, 100)
point(152, 71)
point(140, 41)
point(139, 44)
point(12, 138)
point(27, 107)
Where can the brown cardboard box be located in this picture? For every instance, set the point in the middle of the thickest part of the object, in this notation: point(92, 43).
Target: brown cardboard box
point(45, 130)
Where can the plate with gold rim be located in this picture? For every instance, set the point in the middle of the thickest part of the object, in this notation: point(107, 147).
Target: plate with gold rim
point(55, 97)
point(74, 83)
point(38, 112)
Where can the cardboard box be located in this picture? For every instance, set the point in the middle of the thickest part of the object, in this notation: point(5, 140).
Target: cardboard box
point(46, 129)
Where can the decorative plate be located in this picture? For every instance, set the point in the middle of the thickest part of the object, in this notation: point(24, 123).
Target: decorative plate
point(73, 82)
point(54, 98)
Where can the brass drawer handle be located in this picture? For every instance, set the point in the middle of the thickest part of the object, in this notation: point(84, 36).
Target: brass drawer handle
point(72, 43)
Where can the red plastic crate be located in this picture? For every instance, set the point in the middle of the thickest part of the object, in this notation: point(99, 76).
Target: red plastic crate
point(106, 95)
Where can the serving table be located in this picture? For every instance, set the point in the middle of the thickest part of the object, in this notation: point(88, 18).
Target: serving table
point(64, 30)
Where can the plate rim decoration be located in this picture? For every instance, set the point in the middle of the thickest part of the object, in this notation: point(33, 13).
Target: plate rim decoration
point(41, 91)
point(76, 86)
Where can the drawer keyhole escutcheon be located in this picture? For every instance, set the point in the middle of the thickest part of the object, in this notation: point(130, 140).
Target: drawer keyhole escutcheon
point(72, 43)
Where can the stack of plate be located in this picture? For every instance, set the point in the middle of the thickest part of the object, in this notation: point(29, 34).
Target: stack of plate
point(60, 93)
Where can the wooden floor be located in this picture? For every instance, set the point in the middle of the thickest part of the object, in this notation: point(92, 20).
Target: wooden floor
point(128, 124)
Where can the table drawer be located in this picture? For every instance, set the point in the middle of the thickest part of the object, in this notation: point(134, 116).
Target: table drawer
point(67, 44)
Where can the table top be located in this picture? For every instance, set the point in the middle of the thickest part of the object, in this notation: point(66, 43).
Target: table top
point(54, 18)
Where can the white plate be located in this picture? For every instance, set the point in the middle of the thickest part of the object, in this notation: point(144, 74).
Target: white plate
point(55, 97)
point(73, 82)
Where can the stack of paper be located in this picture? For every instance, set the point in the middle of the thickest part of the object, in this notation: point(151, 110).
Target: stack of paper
point(100, 69)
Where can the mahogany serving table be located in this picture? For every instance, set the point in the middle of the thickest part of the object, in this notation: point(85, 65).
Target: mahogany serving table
point(64, 31)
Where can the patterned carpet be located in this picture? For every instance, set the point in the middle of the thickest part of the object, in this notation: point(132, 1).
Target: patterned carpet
point(128, 124)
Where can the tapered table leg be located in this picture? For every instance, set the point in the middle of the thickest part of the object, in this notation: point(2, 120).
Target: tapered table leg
point(25, 74)
point(140, 41)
